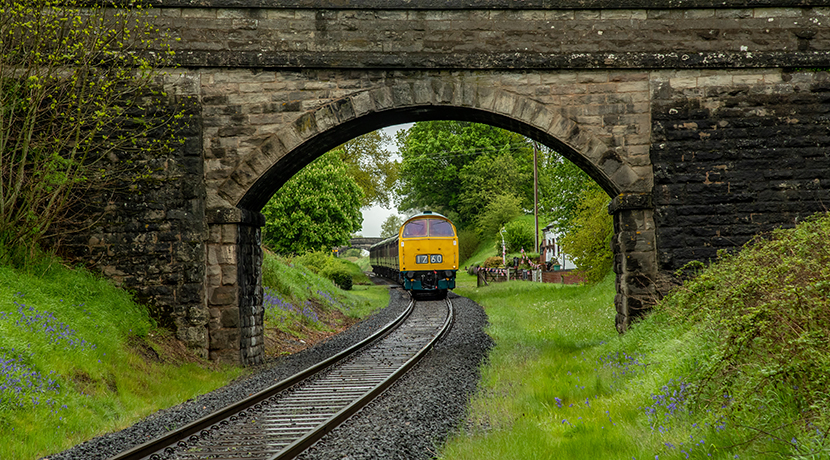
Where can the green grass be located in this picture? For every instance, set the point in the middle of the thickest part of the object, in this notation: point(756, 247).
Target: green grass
point(68, 372)
point(733, 365)
point(73, 347)
point(299, 299)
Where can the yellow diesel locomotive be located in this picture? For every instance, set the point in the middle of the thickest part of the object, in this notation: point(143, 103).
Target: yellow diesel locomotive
point(423, 256)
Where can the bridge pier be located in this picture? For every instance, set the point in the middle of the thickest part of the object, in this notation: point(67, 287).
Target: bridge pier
point(635, 256)
point(234, 286)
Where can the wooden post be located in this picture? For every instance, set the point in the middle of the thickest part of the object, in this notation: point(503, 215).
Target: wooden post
point(535, 199)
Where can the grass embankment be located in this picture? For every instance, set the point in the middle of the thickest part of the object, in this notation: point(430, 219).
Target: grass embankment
point(734, 364)
point(78, 358)
point(303, 306)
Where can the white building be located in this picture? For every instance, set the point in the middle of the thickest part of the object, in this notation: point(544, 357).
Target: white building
point(551, 251)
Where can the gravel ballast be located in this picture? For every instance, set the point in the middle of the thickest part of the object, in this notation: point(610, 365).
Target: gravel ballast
point(408, 421)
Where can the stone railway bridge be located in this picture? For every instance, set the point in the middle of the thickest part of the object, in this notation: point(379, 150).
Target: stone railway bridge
point(706, 121)
point(365, 242)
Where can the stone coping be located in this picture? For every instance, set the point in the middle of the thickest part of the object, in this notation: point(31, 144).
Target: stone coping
point(496, 61)
point(478, 4)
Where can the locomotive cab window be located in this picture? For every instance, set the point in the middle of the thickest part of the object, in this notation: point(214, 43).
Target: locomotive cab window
point(415, 228)
point(440, 228)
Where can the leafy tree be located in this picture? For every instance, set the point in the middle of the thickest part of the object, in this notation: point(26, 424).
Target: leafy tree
point(391, 226)
point(316, 209)
point(562, 185)
point(501, 210)
point(75, 78)
point(518, 235)
point(588, 240)
point(492, 176)
point(453, 167)
point(371, 166)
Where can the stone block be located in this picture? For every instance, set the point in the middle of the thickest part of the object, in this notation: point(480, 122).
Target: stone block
point(362, 103)
point(221, 254)
point(223, 295)
point(229, 275)
point(195, 336)
point(230, 317)
point(486, 97)
point(423, 92)
point(382, 98)
point(402, 95)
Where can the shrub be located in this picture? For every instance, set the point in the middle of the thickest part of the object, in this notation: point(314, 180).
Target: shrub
point(589, 242)
point(518, 235)
point(493, 262)
point(468, 241)
point(342, 280)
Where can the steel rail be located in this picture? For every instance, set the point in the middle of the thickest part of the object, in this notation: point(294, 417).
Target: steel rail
point(148, 448)
point(306, 441)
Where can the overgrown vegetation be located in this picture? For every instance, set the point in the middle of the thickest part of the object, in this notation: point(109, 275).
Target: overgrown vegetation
point(588, 236)
point(302, 302)
point(766, 312)
point(75, 82)
point(733, 364)
point(79, 358)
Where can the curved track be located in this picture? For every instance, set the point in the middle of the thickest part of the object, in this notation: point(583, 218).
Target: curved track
point(282, 421)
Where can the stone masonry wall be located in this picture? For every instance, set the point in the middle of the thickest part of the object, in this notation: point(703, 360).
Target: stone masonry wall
point(736, 154)
point(146, 230)
point(483, 38)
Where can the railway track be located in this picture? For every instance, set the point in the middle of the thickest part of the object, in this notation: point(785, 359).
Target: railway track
point(282, 421)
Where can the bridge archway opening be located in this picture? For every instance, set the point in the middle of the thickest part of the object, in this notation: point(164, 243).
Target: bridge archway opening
point(284, 154)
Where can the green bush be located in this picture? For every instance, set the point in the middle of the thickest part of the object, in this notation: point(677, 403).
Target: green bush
point(518, 235)
point(493, 262)
point(589, 241)
point(468, 242)
point(342, 280)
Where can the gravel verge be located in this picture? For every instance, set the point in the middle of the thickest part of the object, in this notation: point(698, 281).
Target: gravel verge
point(407, 421)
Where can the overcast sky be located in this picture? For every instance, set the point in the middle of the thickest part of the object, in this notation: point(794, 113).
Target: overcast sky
point(373, 217)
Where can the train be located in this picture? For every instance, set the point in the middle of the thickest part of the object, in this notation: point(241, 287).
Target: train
point(423, 256)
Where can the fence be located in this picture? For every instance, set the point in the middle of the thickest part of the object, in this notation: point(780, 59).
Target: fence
point(485, 276)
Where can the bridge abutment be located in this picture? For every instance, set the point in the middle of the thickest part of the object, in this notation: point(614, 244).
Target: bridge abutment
point(234, 286)
point(635, 257)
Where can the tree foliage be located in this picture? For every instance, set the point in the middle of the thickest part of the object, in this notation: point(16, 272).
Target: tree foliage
point(391, 226)
point(518, 235)
point(317, 209)
point(501, 210)
point(588, 238)
point(457, 168)
point(562, 186)
point(74, 82)
point(372, 167)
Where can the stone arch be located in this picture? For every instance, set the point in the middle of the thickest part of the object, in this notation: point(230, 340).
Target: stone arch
point(289, 150)
point(236, 307)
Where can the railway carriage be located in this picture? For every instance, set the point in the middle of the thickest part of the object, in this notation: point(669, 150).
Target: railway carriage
point(423, 256)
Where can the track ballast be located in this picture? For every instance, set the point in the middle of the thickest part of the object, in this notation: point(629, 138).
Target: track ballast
point(282, 421)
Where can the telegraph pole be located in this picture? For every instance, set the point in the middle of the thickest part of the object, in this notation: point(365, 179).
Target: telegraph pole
point(535, 198)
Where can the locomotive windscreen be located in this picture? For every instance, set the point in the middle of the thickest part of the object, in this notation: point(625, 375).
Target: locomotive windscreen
point(427, 227)
point(440, 228)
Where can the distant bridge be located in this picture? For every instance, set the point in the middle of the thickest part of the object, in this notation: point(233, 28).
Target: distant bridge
point(364, 242)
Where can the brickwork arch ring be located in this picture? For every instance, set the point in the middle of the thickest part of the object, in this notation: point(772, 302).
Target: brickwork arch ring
point(315, 132)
